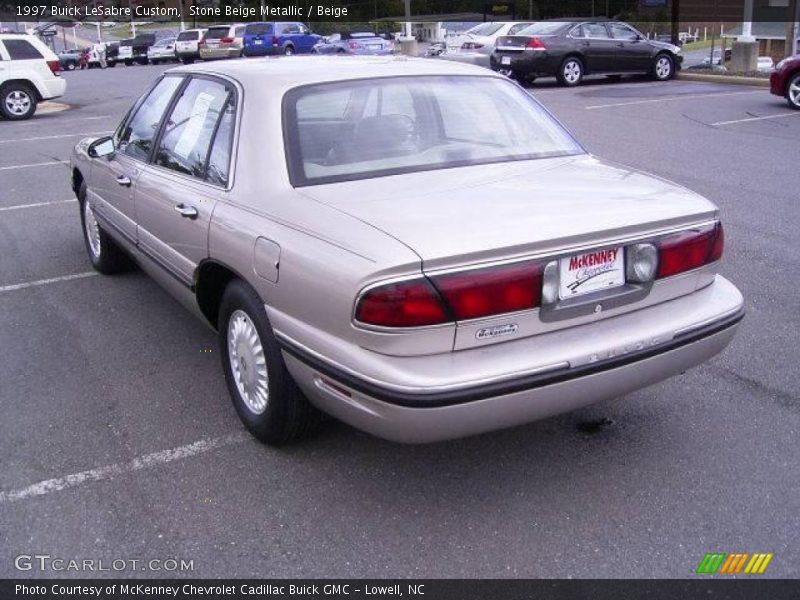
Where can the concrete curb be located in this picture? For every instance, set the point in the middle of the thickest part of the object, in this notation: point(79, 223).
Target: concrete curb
point(730, 79)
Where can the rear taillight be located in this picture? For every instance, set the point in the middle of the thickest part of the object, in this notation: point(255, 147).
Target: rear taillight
point(689, 250)
point(226, 40)
point(471, 46)
point(491, 291)
point(201, 43)
point(453, 297)
point(275, 40)
point(535, 43)
point(403, 304)
point(55, 66)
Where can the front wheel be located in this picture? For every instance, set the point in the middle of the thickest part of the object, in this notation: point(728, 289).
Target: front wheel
point(571, 72)
point(70, 66)
point(663, 67)
point(18, 101)
point(793, 92)
point(105, 255)
point(265, 396)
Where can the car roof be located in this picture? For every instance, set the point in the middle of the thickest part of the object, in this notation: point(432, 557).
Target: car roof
point(293, 71)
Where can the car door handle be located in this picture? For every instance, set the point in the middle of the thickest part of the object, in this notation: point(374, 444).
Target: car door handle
point(190, 212)
point(124, 180)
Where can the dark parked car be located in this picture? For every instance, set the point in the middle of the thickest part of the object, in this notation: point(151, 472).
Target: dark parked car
point(112, 53)
point(785, 80)
point(70, 59)
point(569, 50)
point(278, 38)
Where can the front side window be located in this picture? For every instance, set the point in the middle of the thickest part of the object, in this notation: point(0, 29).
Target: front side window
point(622, 32)
point(21, 50)
point(190, 129)
point(403, 124)
point(136, 138)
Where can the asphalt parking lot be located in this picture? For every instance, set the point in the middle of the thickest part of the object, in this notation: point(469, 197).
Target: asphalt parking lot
point(118, 439)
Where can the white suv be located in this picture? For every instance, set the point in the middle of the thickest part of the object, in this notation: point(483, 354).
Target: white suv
point(29, 73)
point(186, 48)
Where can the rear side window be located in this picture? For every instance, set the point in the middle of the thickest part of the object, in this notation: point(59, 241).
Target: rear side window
point(21, 50)
point(238, 32)
point(215, 33)
point(258, 28)
point(188, 36)
point(190, 130)
point(136, 139)
point(594, 30)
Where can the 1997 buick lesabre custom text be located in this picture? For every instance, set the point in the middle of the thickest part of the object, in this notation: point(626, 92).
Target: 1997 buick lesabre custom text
point(421, 251)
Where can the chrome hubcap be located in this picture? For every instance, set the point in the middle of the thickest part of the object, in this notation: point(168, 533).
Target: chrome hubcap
point(663, 68)
point(572, 71)
point(18, 102)
point(794, 92)
point(92, 230)
point(248, 363)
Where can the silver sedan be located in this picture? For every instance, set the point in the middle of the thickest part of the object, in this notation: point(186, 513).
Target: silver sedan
point(415, 247)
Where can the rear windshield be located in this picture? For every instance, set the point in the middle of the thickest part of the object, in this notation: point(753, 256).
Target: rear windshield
point(543, 28)
point(126, 43)
point(215, 33)
point(374, 127)
point(485, 29)
point(187, 36)
point(258, 28)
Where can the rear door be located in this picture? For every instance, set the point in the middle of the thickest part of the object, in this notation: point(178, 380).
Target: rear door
point(632, 52)
point(597, 47)
point(114, 178)
point(176, 194)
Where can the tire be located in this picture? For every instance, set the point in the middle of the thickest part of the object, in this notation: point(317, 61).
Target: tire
point(663, 67)
point(128, 63)
point(111, 64)
point(187, 61)
point(570, 73)
point(793, 92)
point(270, 404)
point(104, 254)
point(70, 66)
point(288, 50)
point(154, 61)
point(17, 101)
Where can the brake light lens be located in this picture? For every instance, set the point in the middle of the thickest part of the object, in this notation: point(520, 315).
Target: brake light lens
point(535, 43)
point(226, 40)
point(275, 40)
point(55, 66)
point(689, 250)
point(405, 304)
point(495, 290)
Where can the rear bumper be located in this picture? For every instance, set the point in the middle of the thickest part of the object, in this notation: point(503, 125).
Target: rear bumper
point(633, 358)
point(52, 87)
point(262, 50)
point(211, 53)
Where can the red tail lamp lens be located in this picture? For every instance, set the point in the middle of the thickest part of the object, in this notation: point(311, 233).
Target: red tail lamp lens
point(535, 43)
point(496, 290)
point(405, 304)
point(689, 250)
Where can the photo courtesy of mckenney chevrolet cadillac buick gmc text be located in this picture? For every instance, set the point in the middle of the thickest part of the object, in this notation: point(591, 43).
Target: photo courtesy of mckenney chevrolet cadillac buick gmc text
point(393, 261)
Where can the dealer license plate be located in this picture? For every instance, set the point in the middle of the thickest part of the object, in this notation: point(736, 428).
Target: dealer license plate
point(591, 272)
point(505, 60)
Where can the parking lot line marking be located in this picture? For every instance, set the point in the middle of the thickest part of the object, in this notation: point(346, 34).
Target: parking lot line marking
point(44, 164)
point(36, 204)
point(792, 114)
point(27, 284)
point(683, 97)
point(53, 137)
point(137, 464)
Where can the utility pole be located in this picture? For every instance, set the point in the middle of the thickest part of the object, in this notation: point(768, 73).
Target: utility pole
point(793, 16)
point(676, 17)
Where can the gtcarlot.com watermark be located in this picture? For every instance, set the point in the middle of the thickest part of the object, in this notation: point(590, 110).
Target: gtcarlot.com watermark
point(44, 563)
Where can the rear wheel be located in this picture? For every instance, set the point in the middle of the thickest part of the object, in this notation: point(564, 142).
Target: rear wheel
point(663, 67)
point(187, 61)
point(105, 255)
point(289, 50)
point(70, 66)
point(17, 101)
point(265, 396)
point(793, 91)
point(571, 71)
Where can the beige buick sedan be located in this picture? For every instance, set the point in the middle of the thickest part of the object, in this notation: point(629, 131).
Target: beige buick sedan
point(415, 247)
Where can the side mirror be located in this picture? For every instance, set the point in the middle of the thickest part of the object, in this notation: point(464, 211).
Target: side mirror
point(101, 147)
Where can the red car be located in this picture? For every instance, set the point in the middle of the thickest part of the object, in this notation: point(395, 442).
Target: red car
point(785, 80)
